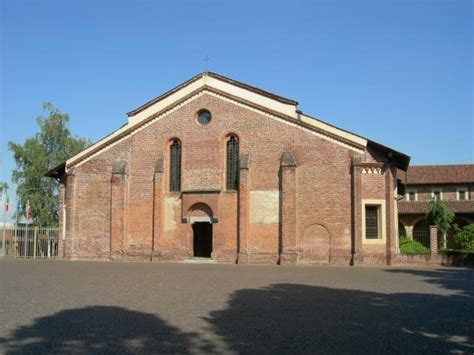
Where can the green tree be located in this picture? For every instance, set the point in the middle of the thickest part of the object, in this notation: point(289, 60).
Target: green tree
point(3, 187)
point(464, 237)
point(439, 215)
point(50, 146)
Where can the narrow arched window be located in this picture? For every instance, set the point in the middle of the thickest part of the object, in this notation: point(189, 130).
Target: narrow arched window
point(175, 166)
point(232, 166)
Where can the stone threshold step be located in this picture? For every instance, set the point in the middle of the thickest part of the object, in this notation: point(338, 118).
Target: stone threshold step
point(198, 260)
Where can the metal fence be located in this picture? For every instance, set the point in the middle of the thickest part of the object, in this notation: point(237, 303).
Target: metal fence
point(32, 242)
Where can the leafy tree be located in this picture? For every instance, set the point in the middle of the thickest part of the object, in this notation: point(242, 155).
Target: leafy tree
point(50, 146)
point(464, 237)
point(3, 187)
point(440, 215)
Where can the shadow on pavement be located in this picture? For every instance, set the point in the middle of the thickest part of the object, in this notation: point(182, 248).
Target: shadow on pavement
point(279, 318)
point(459, 279)
point(292, 318)
point(101, 329)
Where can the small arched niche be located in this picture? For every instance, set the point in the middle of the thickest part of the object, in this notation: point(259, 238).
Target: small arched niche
point(315, 244)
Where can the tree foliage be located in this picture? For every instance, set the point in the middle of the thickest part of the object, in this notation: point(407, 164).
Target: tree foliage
point(50, 146)
point(464, 237)
point(439, 215)
point(3, 187)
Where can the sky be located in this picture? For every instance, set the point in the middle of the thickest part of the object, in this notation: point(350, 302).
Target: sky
point(397, 72)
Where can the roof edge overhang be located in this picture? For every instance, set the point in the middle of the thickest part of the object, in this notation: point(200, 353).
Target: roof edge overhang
point(318, 126)
point(218, 77)
point(57, 172)
point(272, 105)
point(402, 160)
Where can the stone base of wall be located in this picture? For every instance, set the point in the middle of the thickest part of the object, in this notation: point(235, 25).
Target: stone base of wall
point(258, 258)
point(225, 256)
point(288, 259)
point(374, 259)
point(130, 256)
point(414, 259)
point(309, 261)
point(457, 259)
point(448, 259)
point(85, 258)
point(163, 255)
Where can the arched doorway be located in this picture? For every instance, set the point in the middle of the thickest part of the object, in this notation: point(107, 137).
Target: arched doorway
point(200, 216)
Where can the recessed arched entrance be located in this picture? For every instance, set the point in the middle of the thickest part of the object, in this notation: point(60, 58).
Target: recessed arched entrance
point(200, 216)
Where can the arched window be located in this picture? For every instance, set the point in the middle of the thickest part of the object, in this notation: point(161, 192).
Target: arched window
point(232, 165)
point(175, 166)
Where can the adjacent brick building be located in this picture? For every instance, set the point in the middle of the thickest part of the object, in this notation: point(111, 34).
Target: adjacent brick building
point(217, 168)
point(452, 184)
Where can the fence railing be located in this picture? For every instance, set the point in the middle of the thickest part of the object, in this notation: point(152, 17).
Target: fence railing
point(31, 242)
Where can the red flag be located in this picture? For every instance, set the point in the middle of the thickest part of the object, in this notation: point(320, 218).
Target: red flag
point(28, 211)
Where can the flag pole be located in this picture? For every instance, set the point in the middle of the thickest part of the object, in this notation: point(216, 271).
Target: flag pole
point(18, 208)
point(26, 228)
point(4, 251)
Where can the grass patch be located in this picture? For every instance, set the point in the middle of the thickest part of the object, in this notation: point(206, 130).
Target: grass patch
point(408, 246)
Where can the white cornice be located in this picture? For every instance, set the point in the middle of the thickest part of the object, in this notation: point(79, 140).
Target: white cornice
point(266, 106)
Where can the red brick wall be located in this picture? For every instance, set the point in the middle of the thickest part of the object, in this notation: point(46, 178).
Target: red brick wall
point(320, 187)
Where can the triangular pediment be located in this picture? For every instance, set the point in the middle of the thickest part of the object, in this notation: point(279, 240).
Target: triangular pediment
point(217, 83)
point(271, 105)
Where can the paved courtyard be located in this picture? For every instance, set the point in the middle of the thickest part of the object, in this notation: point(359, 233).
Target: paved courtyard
point(104, 307)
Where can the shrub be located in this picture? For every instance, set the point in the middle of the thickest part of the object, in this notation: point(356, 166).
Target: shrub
point(439, 215)
point(408, 246)
point(464, 237)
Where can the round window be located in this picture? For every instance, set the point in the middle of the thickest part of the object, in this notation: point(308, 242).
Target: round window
point(204, 117)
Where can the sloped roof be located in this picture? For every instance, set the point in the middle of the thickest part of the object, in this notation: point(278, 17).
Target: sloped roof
point(421, 207)
point(439, 174)
point(216, 76)
point(57, 171)
point(247, 95)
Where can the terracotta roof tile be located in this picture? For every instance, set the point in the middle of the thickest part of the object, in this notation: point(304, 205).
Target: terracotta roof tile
point(420, 207)
point(439, 174)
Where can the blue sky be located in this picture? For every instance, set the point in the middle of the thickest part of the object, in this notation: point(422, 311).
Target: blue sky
point(398, 72)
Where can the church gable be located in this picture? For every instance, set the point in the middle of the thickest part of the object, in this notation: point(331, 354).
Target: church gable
point(263, 137)
point(269, 105)
point(216, 83)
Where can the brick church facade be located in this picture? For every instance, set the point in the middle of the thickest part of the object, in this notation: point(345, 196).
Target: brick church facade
point(220, 169)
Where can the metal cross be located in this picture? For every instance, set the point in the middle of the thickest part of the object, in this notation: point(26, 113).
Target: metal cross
point(206, 60)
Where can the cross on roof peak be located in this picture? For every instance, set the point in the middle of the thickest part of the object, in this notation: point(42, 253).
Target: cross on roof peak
point(206, 60)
